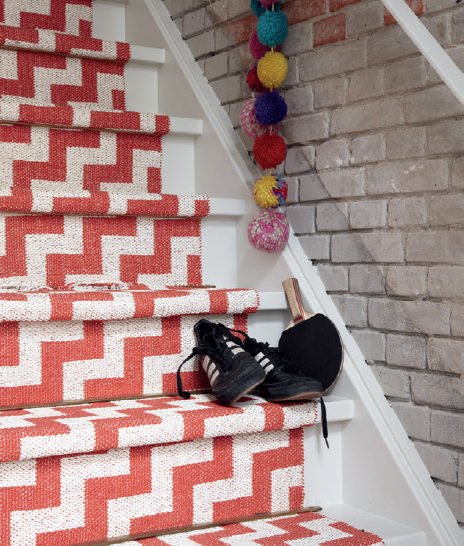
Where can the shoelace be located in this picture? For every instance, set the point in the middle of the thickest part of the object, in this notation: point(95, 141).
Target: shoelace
point(325, 431)
point(218, 333)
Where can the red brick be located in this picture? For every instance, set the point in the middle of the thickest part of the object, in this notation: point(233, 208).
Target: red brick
point(331, 29)
point(417, 7)
point(335, 5)
point(301, 10)
point(241, 29)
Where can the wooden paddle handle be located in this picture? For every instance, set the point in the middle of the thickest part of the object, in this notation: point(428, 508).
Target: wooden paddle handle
point(292, 291)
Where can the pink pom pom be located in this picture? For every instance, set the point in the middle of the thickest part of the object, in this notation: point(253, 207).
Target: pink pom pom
point(269, 231)
point(250, 125)
point(257, 49)
point(266, 3)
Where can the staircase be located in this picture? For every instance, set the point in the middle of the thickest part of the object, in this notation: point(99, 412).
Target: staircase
point(122, 225)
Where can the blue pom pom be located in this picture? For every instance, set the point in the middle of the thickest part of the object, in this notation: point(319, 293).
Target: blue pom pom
point(270, 108)
point(272, 28)
point(259, 10)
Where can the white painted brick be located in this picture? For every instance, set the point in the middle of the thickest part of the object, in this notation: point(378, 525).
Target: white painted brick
point(439, 27)
point(367, 148)
point(175, 7)
point(458, 27)
point(410, 211)
point(332, 154)
point(377, 114)
point(454, 497)
point(316, 247)
point(457, 55)
point(365, 84)
point(301, 218)
point(446, 355)
point(406, 142)
point(446, 210)
point(372, 344)
point(408, 281)
point(447, 428)
point(194, 22)
point(388, 44)
point(415, 419)
point(458, 173)
point(353, 309)
point(224, 10)
point(367, 279)
point(405, 74)
point(407, 176)
point(330, 92)
point(406, 351)
point(432, 103)
point(216, 66)
point(461, 470)
point(368, 214)
point(410, 316)
point(299, 100)
point(442, 463)
point(437, 390)
point(332, 217)
point(364, 17)
point(293, 185)
point(227, 89)
point(335, 278)
point(330, 60)
point(446, 137)
point(435, 246)
point(201, 44)
point(394, 383)
point(299, 39)
point(292, 77)
point(299, 159)
point(343, 183)
point(446, 282)
point(367, 247)
point(240, 60)
point(305, 129)
point(234, 112)
point(312, 189)
point(457, 319)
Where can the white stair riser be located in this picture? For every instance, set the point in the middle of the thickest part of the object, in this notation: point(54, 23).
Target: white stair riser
point(109, 20)
point(178, 164)
point(141, 87)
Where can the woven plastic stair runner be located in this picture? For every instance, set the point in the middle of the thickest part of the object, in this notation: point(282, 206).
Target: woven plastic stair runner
point(305, 528)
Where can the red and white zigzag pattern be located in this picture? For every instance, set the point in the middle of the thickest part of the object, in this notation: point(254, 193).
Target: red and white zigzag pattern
point(70, 16)
point(49, 431)
point(61, 160)
point(45, 41)
point(305, 528)
point(53, 362)
point(40, 78)
point(81, 117)
point(77, 499)
point(58, 250)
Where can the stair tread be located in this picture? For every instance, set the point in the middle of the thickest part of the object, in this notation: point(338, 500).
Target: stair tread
point(47, 41)
point(283, 530)
point(136, 301)
point(84, 428)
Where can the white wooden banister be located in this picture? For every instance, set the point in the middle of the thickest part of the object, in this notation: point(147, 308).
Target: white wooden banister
point(428, 46)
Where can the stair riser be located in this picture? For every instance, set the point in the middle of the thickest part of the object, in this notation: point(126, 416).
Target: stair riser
point(40, 78)
point(126, 492)
point(57, 250)
point(53, 362)
point(69, 17)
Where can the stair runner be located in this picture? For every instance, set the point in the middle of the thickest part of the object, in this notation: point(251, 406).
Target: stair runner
point(100, 286)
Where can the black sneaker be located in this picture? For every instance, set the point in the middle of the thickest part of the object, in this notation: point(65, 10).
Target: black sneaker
point(283, 381)
point(231, 371)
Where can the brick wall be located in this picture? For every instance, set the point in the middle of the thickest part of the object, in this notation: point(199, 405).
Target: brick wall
point(375, 167)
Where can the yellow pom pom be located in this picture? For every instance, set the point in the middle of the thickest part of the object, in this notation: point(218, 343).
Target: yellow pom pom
point(263, 194)
point(272, 69)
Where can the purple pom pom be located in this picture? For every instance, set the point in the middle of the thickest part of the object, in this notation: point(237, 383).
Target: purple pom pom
point(270, 108)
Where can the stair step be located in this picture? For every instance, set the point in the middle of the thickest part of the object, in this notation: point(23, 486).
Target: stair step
point(303, 527)
point(85, 428)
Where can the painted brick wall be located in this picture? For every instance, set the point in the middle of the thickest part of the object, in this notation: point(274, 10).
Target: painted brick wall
point(375, 166)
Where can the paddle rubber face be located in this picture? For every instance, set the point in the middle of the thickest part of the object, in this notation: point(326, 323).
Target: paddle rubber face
point(316, 348)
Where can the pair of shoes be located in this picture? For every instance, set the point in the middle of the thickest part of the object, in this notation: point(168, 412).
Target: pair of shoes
point(234, 368)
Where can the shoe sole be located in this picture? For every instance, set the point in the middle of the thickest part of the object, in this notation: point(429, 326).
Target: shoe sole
point(302, 396)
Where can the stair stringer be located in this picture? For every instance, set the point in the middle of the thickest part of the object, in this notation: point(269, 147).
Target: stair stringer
point(381, 471)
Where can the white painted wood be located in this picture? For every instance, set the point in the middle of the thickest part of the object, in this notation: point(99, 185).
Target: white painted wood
point(428, 46)
point(226, 207)
point(219, 251)
point(186, 126)
point(141, 78)
point(109, 20)
point(178, 164)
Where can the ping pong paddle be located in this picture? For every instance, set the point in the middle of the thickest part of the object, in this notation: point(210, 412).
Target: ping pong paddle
point(311, 340)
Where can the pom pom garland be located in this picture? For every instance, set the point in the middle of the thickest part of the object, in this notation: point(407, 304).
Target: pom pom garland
point(250, 125)
point(254, 83)
point(272, 69)
point(269, 151)
point(270, 191)
point(258, 8)
point(266, 3)
point(270, 108)
point(269, 231)
point(257, 49)
point(272, 28)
